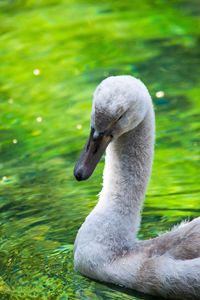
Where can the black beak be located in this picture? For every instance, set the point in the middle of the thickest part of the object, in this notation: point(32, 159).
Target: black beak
point(91, 154)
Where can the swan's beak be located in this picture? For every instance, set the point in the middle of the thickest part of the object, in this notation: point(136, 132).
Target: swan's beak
point(91, 154)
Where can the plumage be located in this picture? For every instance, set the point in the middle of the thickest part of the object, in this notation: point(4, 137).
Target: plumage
point(106, 246)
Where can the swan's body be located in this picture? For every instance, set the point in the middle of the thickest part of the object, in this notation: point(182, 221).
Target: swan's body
point(106, 247)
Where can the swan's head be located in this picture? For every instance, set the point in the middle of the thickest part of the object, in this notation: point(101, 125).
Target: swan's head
point(119, 105)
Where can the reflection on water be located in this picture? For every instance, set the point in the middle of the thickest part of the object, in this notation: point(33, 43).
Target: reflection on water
point(53, 54)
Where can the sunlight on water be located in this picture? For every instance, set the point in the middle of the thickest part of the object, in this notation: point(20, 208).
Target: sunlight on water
point(52, 55)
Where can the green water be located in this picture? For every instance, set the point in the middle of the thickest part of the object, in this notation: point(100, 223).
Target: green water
point(52, 55)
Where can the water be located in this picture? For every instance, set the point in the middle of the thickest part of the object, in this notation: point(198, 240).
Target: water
point(53, 54)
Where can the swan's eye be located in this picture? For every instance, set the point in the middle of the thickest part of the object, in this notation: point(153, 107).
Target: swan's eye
point(102, 133)
point(120, 118)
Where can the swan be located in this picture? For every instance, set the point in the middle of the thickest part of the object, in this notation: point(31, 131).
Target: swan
point(106, 247)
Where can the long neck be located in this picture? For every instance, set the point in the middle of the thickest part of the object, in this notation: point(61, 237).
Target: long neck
point(127, 170)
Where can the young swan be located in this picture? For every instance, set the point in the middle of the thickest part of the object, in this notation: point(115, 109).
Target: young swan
point(106, 247)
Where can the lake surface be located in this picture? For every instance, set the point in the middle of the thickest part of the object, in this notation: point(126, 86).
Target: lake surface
point(52, 56)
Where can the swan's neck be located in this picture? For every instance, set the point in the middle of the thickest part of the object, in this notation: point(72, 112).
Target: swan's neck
point(127, 171)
